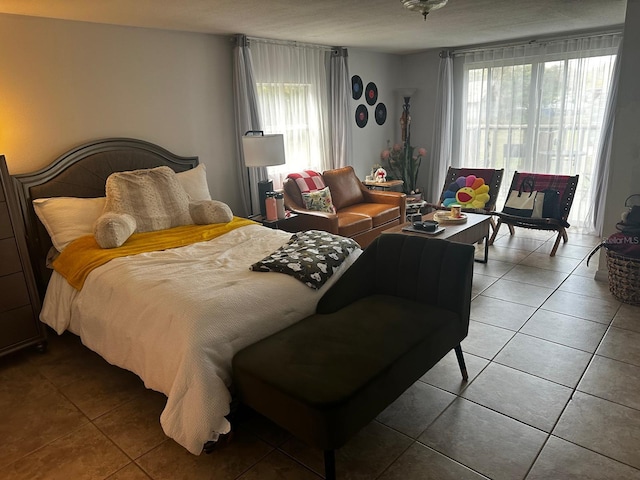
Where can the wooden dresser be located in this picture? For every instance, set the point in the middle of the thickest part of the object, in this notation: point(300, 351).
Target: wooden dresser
point(19, 300)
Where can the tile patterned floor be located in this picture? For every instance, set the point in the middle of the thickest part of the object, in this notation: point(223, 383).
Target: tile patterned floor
point(554, 393)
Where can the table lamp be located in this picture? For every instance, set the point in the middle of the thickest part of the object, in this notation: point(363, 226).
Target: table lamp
point(262, 150)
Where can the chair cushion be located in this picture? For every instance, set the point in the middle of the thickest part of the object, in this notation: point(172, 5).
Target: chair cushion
point(329, 375)
point(351, 224)
point(345, 187)
point(380, 213)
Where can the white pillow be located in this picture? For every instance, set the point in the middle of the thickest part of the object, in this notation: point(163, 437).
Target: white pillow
point(194, 182)
point(68, 218)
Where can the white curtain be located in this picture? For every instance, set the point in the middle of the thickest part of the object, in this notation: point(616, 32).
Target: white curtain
point(443, 129)
point(339, 95)
point(601, 172)
point(539, 107)
point(247, 118)
point(291, 81)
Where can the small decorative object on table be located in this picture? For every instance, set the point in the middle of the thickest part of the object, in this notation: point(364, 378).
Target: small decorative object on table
point(428, 227)
point(456, 210)
point(446, 217)
point(380, 175)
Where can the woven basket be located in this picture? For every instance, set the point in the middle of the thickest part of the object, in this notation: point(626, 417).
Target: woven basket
point(624, 277)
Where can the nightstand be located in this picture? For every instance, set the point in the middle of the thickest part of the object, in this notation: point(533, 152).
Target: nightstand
point(277, 224)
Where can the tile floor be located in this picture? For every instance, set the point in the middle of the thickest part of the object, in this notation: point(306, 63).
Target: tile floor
point(554, 393)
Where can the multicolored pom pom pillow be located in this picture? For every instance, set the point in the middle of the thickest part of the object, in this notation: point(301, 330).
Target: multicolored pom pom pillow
point(469, 192)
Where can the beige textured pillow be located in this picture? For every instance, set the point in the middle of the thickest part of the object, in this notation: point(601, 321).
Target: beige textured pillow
point(113, 229)
point(205, 212)
point(194, 182)
point(153, 197)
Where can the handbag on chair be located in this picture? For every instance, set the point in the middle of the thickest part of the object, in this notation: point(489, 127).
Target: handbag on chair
point(521, 203)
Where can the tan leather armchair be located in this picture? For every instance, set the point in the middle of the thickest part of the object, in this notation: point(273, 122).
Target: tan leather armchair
point(361, 214)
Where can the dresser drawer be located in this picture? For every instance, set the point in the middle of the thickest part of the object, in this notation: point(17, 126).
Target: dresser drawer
point(13, 292)
point(6, 229)
point(9, 258)
point(18, 325)
point(1, 193)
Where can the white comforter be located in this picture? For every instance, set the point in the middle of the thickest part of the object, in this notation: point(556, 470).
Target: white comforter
point(177, 317)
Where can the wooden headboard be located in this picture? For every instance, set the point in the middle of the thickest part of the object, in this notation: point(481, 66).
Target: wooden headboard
point(82, 172)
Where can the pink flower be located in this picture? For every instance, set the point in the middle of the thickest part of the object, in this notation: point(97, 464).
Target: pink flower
point(422, 152)
point(397, 147)
point(385, 154)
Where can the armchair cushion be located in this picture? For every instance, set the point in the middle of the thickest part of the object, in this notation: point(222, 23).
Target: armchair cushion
point(352, 224)
point(345, 187)
point(380, 213)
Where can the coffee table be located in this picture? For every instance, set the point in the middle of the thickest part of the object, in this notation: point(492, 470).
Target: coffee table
point(474, 230)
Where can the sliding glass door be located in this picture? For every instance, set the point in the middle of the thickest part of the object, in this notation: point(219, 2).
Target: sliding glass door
point(538, 108)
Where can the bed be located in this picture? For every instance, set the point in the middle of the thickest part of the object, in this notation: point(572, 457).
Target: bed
point(174, 317)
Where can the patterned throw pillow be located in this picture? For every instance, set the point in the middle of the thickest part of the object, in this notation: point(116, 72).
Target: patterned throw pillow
point(319, 200)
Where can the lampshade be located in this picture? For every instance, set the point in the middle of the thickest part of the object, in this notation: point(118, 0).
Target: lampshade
point(263, 150)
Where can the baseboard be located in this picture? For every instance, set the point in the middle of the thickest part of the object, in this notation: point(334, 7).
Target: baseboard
point(602, 276)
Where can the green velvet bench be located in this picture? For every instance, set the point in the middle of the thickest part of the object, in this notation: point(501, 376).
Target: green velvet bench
point(401, 307)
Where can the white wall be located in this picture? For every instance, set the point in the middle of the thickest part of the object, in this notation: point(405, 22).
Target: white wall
point(421, 72)
point(624, 175)
point(64, 83)
point(368, 142)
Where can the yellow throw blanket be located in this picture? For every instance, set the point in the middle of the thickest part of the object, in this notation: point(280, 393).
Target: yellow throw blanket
point(83, 255)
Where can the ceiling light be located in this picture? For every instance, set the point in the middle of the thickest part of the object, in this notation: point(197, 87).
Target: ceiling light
point(424, 6)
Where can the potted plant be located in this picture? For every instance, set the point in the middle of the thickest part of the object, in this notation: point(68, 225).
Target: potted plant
point(403, 163)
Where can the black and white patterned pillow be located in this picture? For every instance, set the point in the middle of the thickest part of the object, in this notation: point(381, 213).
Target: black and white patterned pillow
point(312, 257)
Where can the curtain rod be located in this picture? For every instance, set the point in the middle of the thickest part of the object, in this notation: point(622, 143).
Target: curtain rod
point(540, 41)
point(290, 43)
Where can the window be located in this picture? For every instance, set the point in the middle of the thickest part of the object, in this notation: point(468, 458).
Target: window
point(292, 99)
point(539, 108)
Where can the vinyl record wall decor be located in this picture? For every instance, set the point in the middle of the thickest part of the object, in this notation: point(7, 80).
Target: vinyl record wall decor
point(371, 93)
point(362, 115)
point(381, 113)
point(356, 87)
point(371, 97)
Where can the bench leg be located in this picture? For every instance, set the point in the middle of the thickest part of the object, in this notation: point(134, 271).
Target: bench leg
point(463, 366)
point(330, 464)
